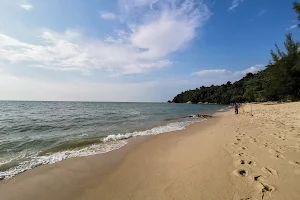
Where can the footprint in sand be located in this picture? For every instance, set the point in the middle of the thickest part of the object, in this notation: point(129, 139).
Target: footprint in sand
point(266, 190)
point(295, 163)
point(240, 162)
point(251, 163)
point(241, 154)
point(240, 172)
point(274, 151)
point(280, 156)
point(244, 162)
point(263, 187)
point(270, 171)
point(253, 141)
point(280, 149)
point(242, 148)
point(257, 178)
point(271, 151)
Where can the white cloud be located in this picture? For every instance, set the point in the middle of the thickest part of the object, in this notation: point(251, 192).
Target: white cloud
point(110, 39)
point(171, 29)
point(163, 36)
point(261, 13)
point(71, 51)
point(235, 4)
point(108, 16)
point(153, 30)
point(227, 74)
point(138, 68)
point(291, 27)
point(26, 6)
point(254, 69)
point(144, 46)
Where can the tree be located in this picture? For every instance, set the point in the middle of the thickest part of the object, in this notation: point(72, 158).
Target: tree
point(297, 9)
point(249, 75)
point(278, 82)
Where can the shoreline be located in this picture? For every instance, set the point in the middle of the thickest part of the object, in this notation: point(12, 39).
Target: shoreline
point(110, 159)
point(226, 157)
point(107, 144)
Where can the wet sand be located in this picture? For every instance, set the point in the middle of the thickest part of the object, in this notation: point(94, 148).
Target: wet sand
point(253, 155)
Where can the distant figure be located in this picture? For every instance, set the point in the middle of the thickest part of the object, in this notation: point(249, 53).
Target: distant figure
point(236, 108)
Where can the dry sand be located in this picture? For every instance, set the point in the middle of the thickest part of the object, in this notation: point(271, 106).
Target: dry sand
point(236, 157)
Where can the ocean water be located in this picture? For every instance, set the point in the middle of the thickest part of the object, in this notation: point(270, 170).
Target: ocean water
point(37, 133)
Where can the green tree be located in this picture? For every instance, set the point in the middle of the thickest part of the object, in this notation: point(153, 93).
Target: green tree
point(279, 81)
point(297, 10)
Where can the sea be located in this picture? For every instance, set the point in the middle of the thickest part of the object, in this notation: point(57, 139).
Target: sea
point(37, 133)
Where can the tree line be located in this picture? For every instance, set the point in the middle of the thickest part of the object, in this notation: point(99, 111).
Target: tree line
point(279, 81)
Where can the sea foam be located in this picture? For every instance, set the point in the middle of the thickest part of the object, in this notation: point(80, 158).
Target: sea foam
point(110, 143)
point(154, 131)
point(35, 161)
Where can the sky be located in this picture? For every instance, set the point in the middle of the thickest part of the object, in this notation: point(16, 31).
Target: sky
point(134, 50)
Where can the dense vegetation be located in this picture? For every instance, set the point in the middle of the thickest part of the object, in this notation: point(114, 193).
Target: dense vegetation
point(280, 81)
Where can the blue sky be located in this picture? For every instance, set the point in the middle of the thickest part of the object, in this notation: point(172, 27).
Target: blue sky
point(134, 50)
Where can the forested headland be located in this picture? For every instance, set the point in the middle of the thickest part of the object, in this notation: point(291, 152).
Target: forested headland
point(279, 81)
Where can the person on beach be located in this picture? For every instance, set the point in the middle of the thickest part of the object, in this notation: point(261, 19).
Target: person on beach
point(236, 108)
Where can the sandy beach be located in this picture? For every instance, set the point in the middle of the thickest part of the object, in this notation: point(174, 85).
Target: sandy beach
point(251, 156)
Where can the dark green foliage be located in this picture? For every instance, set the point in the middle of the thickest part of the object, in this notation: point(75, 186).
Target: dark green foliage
point(279, 81)
point(297, 9)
